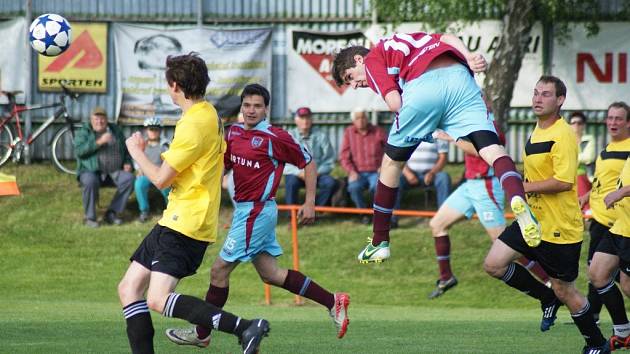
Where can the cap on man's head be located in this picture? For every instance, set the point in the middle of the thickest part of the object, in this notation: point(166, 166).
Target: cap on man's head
point(99, 111)
point(303, 112)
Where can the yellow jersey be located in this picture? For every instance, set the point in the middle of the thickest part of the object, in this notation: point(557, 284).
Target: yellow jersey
point(622, 207)
point(552, 152)
point(196, 153)
point(607, 169)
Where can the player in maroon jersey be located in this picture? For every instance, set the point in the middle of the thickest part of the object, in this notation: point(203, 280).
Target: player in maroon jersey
point(427, 80)
point(257, 153)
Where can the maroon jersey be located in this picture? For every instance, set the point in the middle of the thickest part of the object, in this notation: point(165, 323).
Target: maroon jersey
point(476, 167)
point(403, 57)
point(258, 156)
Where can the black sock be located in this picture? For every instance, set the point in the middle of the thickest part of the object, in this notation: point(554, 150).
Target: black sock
point(139, 327)
point(595, 301)
point(613, 299)
point(199, 312)
point(519, 278)
point(586, 324)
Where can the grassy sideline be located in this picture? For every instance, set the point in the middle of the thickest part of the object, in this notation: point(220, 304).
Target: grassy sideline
point(59, 286)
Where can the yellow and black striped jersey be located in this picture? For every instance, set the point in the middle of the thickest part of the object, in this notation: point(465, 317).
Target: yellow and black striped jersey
point(607, 169)
point(622, 207)
point(552, 152)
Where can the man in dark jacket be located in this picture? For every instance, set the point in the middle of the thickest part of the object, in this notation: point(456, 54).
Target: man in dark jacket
point(102, 158)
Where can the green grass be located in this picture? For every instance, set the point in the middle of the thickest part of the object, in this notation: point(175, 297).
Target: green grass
point(59, 283)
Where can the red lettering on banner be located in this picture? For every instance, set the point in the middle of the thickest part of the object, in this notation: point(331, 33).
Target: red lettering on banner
point(606, 75)
point(91, 58)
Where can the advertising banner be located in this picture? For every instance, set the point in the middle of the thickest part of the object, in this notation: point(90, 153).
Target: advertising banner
point(83, 66)
point(594, 69)
point(234, 58)
point(12, 56)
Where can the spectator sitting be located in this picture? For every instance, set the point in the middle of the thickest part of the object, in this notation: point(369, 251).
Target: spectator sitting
point(102, 158)
point(361, 154)
point(424, 169)
point(154, 148)
point(586, 155)
point(323, 153)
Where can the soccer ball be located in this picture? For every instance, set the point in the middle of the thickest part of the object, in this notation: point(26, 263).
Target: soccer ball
point(50, 34)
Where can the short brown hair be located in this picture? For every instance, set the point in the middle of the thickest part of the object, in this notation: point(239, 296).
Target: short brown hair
point(190, 73)
point(621, 104)
point(344, 60)
point(561, 88)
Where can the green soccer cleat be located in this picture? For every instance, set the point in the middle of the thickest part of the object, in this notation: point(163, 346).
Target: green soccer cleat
point(187, 336)
point(374, 254)
point(530, 228)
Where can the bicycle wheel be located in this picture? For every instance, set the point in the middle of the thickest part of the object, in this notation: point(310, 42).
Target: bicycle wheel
point(62, 150)
point(6, 138)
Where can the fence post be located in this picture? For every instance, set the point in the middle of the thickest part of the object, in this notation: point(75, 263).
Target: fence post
point(294, 239)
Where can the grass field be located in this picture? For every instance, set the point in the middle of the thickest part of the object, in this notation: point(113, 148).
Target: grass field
point(59, 286)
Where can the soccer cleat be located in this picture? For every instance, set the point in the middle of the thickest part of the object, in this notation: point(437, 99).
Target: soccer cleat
point(617, 342)
point(187, 336)
point(374, 254)
point(603, 349)
point(549, 314)
point(441, 286)
point(339, 313)
point(530, 228)
point(253, 335)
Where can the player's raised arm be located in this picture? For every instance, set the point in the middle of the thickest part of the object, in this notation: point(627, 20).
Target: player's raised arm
point(476, 62)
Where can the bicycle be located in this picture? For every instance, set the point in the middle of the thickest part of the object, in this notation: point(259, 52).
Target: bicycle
point(61, 144)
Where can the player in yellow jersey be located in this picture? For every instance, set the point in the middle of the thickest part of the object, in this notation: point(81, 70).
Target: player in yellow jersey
point(612, 208)
point(175, 247)
point(608, 166)
point(550, 162)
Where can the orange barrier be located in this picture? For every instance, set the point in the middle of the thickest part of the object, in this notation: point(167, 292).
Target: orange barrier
point(293, 209)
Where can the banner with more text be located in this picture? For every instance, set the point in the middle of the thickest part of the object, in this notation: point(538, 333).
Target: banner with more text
point(83, 66)
point(594, 68)
point(309, 78)
point(235, 58)
point(13, 55)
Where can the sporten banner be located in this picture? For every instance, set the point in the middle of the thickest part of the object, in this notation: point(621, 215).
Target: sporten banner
point(13, 54)
point(83, 66)
point(235, 58)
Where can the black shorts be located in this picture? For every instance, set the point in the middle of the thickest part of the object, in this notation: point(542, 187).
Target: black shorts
point(560, 261)
point(597, 232)
point(167, 251)
point(619, 246)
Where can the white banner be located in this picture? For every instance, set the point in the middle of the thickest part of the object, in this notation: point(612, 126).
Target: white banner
point(13, 55)
point(483, 38)
point(235, 58)
point(310, 57)
point(309, 79)
point(595, 69)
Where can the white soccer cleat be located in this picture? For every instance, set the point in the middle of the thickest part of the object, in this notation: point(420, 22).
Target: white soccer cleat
point(187, 336)
point(339, 313)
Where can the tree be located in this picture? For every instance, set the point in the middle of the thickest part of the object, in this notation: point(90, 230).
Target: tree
point(517, 16)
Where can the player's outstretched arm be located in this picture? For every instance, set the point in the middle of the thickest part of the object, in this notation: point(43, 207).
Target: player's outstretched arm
point(306, 214)
point(161, 176)
point(476, 62)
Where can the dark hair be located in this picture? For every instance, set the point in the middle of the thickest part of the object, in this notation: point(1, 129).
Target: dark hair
point(579, 115)
point(189, 72)
point(344, 60)
point(621, 104)
point(256, 90)
point(561, 89)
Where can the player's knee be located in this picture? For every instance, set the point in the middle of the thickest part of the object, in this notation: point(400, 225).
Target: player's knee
point(596, 277)
point(437, 227)
point(483, 138)
point(127, 292)
point(399, 154)
point(493, 268)
point(156, 303)
point(625, 287)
